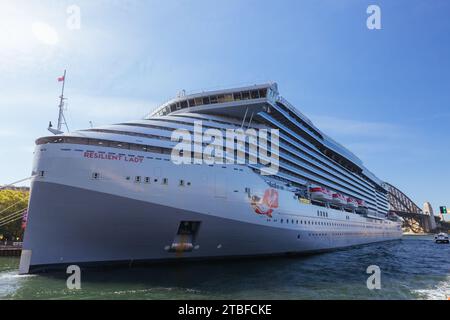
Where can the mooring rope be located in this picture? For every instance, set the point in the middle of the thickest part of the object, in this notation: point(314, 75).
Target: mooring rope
point(14, 204)
point(15, 182)
point(19, 216)
point(19, 212)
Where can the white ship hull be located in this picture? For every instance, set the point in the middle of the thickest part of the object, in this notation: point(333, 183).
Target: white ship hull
point(75, 219)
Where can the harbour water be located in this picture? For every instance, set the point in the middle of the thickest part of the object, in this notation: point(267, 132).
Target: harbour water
point(412, 268)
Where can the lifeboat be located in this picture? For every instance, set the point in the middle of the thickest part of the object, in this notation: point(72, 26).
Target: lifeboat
point(320, 193)
point(339, 199)
point(362, 207)
point(352, 203)
point(361, 203)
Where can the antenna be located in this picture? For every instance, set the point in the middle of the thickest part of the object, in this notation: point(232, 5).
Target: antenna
point(61, 117)
point(181, 93)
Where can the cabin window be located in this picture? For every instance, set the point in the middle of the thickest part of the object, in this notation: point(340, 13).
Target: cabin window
point(147, 179)
point(95, 175)
point(206, 100)
point(221, 98)
point(245, 95)
point(213, 99)
point(262, 93)
point(237, 96)
point(184, 104)
point(199, 101)
point(137, 179)
point(228, 97)
point(191, 103)
point(119, 145)
point(165, 181)
point(255, 94)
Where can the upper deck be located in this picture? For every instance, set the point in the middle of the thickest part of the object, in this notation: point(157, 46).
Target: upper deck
point(260, 103)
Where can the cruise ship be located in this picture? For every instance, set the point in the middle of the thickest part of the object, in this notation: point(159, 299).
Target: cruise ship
point(115, 194)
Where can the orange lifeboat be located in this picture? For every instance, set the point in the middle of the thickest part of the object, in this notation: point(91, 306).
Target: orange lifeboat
point(320, 193)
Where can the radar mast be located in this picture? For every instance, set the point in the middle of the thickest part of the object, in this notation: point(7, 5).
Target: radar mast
point(61, 117)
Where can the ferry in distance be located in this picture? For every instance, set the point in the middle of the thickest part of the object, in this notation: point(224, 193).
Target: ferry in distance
point(131, 192)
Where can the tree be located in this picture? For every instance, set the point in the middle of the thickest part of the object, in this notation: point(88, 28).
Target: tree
point(12, 204)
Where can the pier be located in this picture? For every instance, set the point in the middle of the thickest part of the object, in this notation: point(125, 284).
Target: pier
point(10, 250)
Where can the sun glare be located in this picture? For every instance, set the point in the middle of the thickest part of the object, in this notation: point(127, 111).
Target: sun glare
point(45, 33)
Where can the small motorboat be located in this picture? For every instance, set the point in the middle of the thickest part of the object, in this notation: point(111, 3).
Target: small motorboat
point(441, 238)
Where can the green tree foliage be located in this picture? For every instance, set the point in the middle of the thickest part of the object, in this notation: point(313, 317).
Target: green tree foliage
point(12, 201)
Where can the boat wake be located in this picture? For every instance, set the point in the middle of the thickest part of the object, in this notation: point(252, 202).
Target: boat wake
point(441, 291)
point(10, 281)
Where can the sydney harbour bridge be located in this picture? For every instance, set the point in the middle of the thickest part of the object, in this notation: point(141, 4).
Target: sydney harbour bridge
point(415, 219)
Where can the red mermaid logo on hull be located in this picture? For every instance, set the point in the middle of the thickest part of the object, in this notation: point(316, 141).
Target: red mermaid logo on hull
point(265, 205)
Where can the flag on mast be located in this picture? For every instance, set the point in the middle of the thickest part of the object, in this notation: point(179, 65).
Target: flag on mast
point(61, 78)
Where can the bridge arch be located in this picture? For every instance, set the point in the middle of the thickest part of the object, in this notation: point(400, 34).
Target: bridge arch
point(400, 202)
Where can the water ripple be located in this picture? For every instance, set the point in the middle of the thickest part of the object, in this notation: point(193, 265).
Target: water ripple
point(412, 268)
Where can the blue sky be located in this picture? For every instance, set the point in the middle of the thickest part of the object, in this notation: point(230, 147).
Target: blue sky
point(385, 94)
